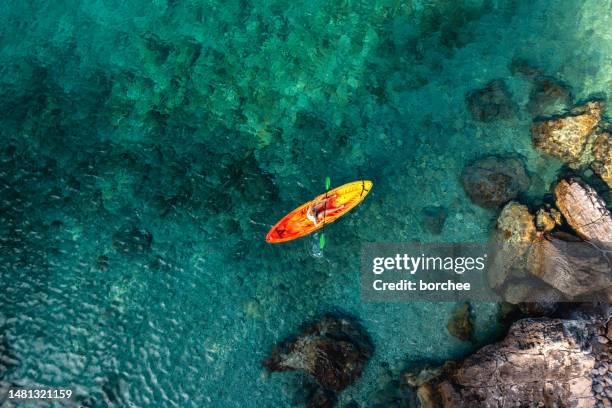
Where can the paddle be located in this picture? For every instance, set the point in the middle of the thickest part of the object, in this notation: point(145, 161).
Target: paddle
point(322, 239)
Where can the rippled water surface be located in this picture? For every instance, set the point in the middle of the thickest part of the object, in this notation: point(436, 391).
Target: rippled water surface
point(147, 146)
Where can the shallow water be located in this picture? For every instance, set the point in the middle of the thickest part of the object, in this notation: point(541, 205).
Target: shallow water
point(147, 147)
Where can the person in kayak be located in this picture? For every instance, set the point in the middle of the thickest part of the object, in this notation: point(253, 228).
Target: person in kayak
point(318, 210)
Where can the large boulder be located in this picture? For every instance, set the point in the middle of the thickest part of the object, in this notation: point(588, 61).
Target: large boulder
point(515, 224)
point(514, 234)
point(575, 268)
point(584, 211)
point(333, 351)
point(566, 137)
point(493, 181)
point(541, 362)
point(602, 157)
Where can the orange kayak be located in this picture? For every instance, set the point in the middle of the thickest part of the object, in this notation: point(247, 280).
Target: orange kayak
point(317, 213)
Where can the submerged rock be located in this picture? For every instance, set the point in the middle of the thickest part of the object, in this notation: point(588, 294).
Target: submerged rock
point(493, 181)
point(522, 66)
point(492, 102)
point(460, 322)
point(584, 211)
point(321, 398)
point(602, 157)
point(434, 218)
point(541, 362)
point(548, 97)
point(334, 351)
point(566, 137)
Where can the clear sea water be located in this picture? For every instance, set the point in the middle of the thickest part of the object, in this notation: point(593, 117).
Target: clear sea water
point(146, 147)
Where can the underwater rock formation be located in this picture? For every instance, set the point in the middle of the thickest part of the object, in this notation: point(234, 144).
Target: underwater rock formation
point(602, 157)
point(460, 322)
point(321, 398)
point(333, 350)
point(548, 97)
point(584, 211)
point(566, 137)
point(434, 218)
point(491, 102)
point(541, 362)
point(493, 181)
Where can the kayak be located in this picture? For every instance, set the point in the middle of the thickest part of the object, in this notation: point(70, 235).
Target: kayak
point(317, 213)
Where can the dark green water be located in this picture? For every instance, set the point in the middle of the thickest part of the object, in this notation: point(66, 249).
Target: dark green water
point(147, 147)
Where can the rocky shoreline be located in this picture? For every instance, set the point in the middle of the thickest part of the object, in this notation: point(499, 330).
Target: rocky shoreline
point(542, 362)
point(553, 255)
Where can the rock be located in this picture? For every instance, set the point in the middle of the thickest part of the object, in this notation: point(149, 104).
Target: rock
point(460, 322)
point(609, 330)
point(602, 157)
point(533, 297)
point(573, 268)
point(333, 350)
point(507, 313)
point(514, 233)
point(252, 308)
point(584, 211)
point(434, 218)
point(422, 376)
point(521, 66)
point(547, 220)
point(541, 362)
point(540, 308)
point(566, 137)
point(548, 97)
point(321, 398)
point(492, 102)
point(493, 181)
point(515, 224)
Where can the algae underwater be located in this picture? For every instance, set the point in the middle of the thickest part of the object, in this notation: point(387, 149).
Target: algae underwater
point(146, 148)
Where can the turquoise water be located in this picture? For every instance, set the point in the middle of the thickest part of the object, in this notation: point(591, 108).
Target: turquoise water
point(147, 147)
